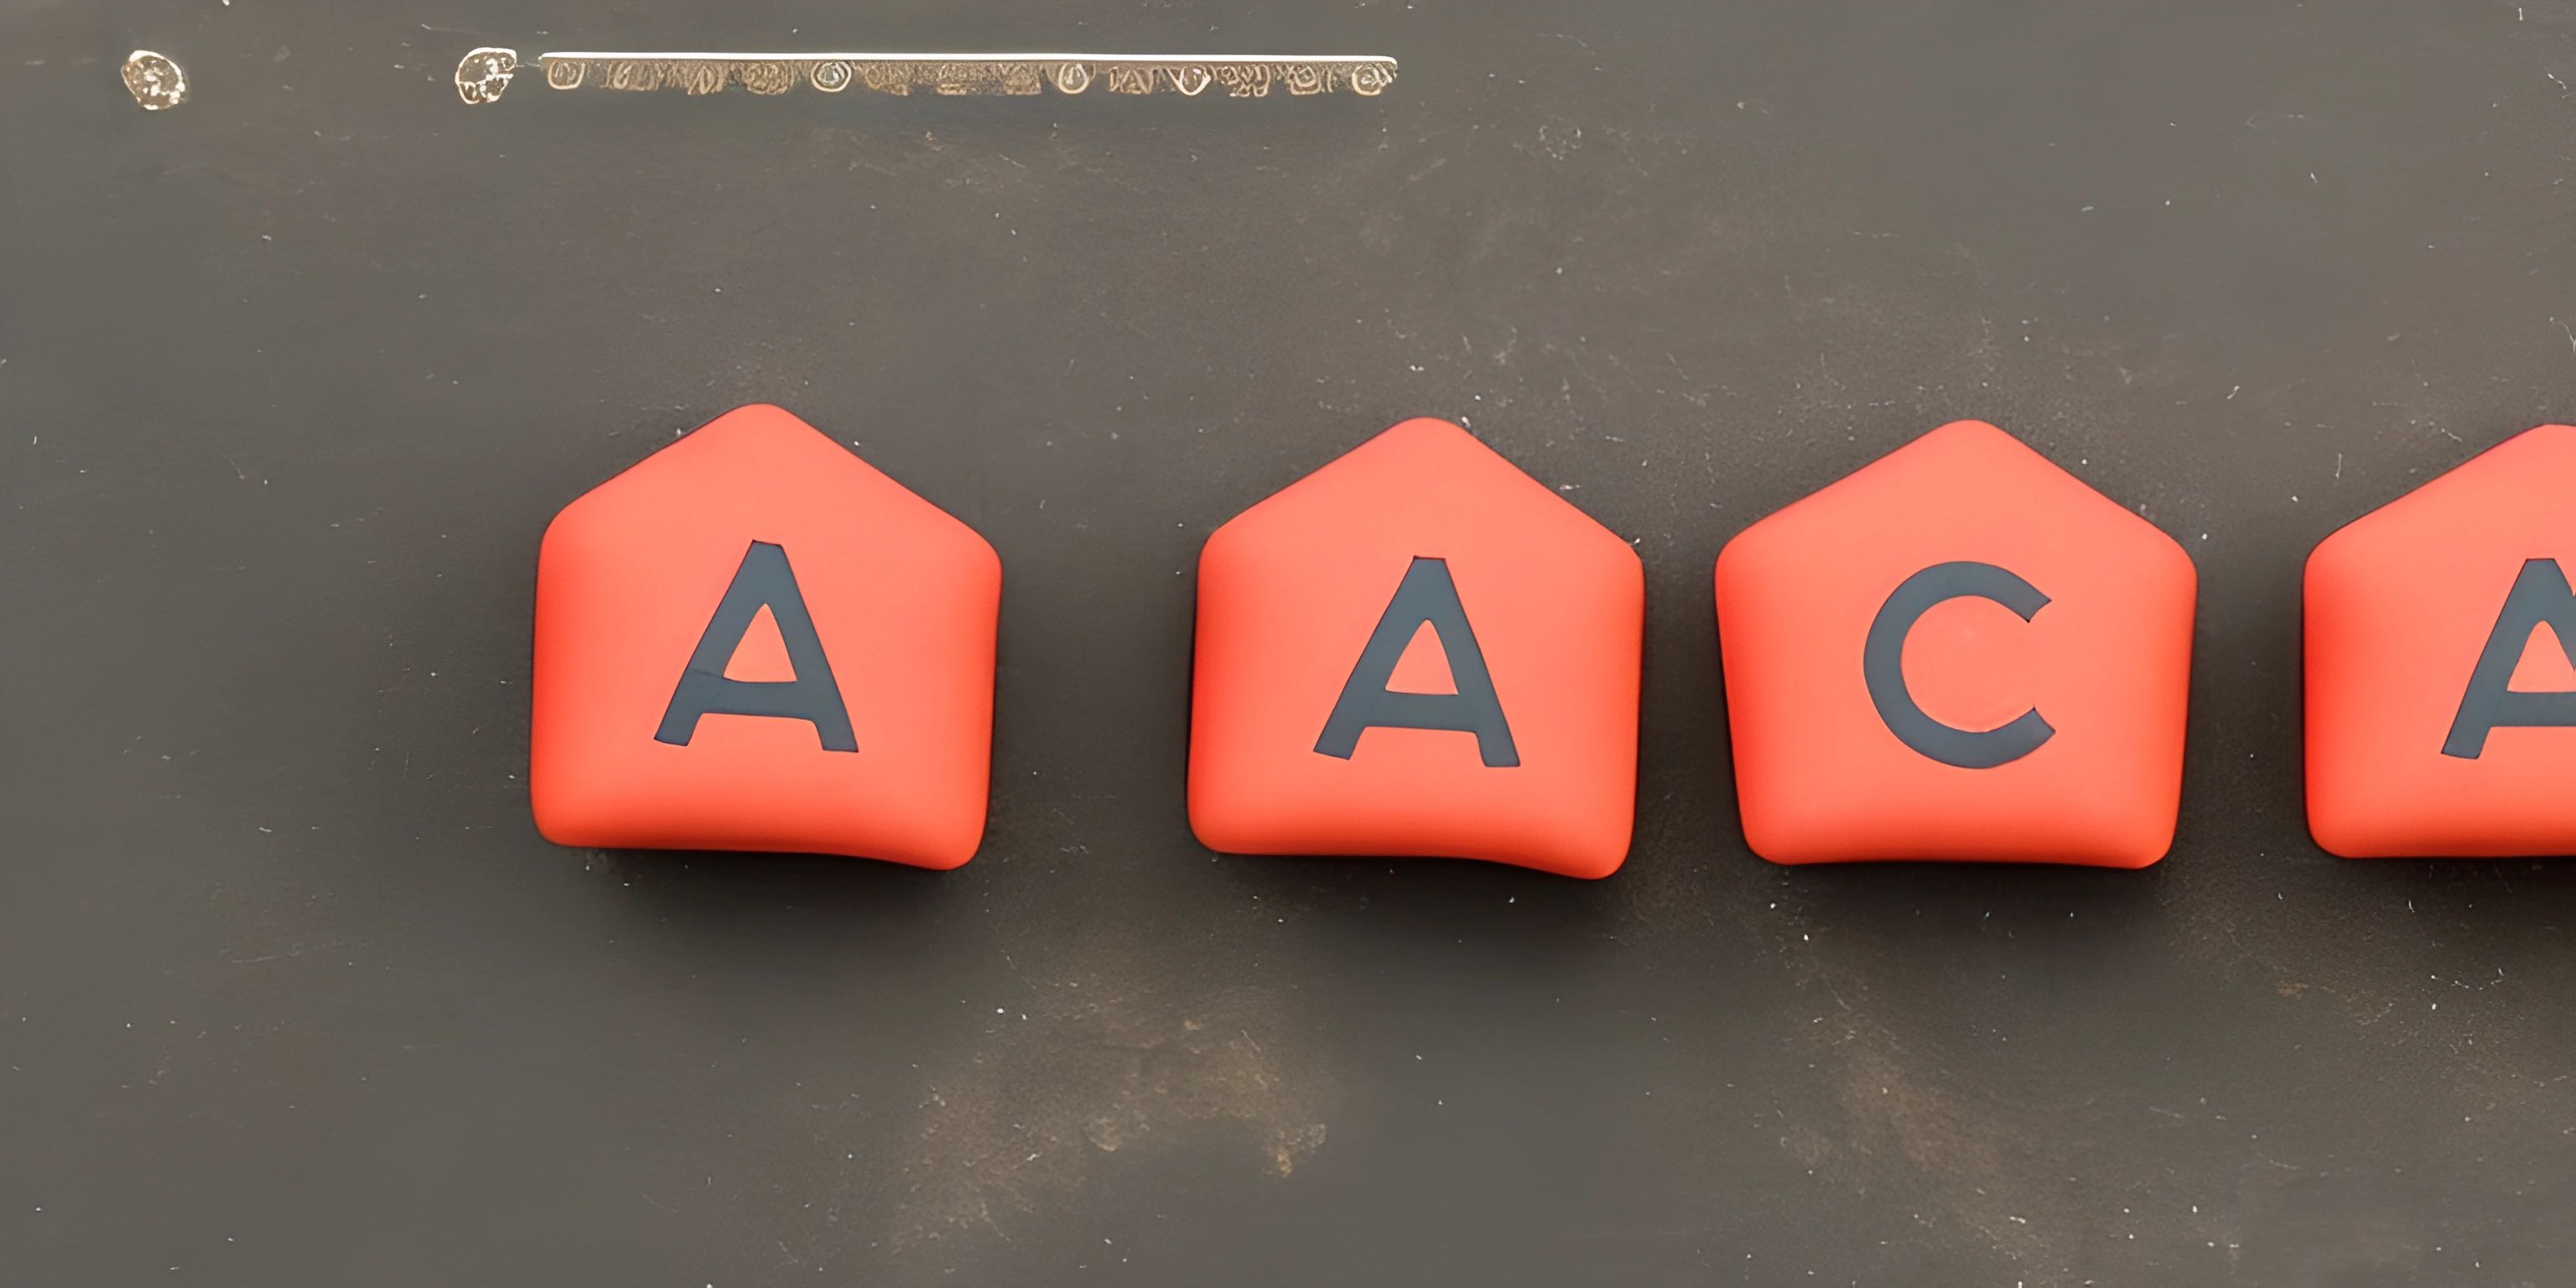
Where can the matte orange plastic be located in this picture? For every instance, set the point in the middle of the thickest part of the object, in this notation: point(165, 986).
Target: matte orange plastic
point(1822, 775)
point(1293, 591)
point(902, 597)
point(2401, 607)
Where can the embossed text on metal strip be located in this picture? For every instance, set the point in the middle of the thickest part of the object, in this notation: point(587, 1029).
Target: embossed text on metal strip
point(485, 73)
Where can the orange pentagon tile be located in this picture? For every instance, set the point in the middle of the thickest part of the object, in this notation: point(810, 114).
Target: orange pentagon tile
point(1418, 650)
point(2441, 701)
point(752, 640)
point(1958, 652)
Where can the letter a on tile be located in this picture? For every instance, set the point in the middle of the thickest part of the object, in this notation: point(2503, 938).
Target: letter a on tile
point(1426, 597)
point(2540, 597)
point(764, 581)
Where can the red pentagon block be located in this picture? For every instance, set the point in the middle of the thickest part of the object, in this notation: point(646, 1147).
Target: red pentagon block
point(752, 640)
point(2440, 715)
point(1418, 650)
point(1958, 652)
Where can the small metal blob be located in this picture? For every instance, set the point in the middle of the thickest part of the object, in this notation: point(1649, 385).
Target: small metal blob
point(482, 74)
point(763, 77)
point(155, 82)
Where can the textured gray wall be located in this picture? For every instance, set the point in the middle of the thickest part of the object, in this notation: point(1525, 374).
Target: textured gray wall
point(290, 991)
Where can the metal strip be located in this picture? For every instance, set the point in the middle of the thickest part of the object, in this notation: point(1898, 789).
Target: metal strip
point(484, 73)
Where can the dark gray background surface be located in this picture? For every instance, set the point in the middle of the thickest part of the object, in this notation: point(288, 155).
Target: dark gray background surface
point(291, 992)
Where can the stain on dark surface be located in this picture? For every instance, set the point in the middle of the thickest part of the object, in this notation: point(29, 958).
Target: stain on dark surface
point(290, 382)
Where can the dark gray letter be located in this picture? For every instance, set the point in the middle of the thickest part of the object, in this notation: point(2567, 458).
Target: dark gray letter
point(1882, 665)
point(763, 580)
point(1425, 595)
point(2539, 594)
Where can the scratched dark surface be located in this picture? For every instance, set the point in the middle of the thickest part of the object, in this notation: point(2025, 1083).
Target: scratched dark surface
point(291, 992)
